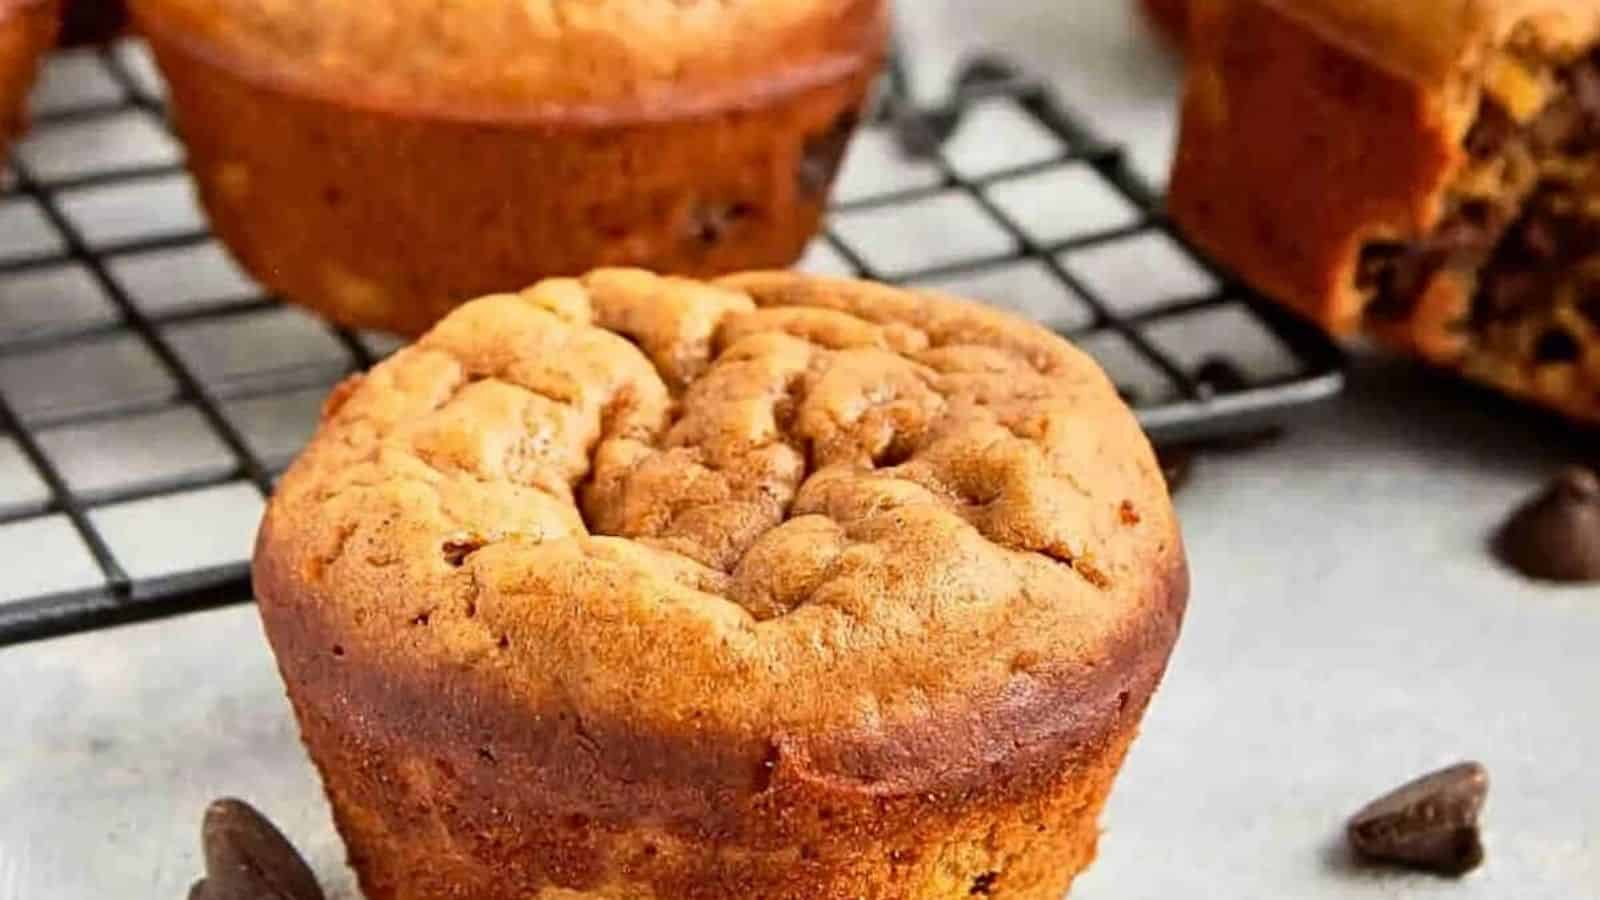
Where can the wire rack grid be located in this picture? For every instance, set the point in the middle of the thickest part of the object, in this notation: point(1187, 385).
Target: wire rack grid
point(150, 393)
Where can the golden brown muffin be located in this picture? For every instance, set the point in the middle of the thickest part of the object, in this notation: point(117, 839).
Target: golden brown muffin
point(775, 587)
point(27, 31)
point(381, 165)
point(1429, 171)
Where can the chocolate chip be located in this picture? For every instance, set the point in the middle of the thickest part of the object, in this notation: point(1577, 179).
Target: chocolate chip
point(1556, 346)
point(1491, 132)
point(457, 548)
point(1557, 127)
point(1572, 120)
point(1508, 291)
point(1540, 238)
point(711, 222)
point(248, 858)
point(1429, 824)
point(1555, 536)
point(983, 885)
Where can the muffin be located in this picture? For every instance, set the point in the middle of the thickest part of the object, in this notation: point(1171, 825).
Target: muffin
point(1427, 171)
point(27, 31)
point(776, 587)
point(92, 21)
point(1171, 18)
point(380, 167)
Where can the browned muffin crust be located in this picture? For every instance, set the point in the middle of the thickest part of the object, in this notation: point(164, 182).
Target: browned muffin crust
point(1425, 171)
point(544, 61)
point(27, 31)
point(382, 187)
point(779, 587)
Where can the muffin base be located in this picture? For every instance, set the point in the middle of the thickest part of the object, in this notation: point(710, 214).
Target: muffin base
point(381, 218)
point(443, 790)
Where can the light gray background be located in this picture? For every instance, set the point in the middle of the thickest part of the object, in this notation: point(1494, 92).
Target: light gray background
point(1346, 632)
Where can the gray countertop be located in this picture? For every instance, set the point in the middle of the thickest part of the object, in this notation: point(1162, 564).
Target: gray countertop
point(1347, 631)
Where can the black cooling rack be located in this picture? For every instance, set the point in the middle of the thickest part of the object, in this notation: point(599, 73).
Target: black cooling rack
point(149, 394)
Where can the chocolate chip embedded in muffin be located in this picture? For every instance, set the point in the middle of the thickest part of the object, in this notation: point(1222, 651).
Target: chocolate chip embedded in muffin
point(1430, 823)
point(1555, 536)
point(1431, 180)
point(870, 585)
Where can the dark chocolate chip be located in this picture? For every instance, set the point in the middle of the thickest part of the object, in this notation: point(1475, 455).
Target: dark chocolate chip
point(1557, 127)
point(1398, 274)
point(1556, 346)
point(248, 858)
point(1585, 79)
point(1541, 238)
point(1471, 227)
point(1429, 824)
point(1572, 122)
point(983, 885)
point(711, 222)
point(457, 548)
point(1377, 264)
point(1509, 291)
point(1555, 536)
point(1491, 132)
point(822, 154)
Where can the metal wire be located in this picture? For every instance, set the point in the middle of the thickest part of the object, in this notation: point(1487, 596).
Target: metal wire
point(1191, 409)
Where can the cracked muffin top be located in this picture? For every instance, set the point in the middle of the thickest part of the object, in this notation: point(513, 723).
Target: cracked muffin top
point(769, 505)
point(579, 59)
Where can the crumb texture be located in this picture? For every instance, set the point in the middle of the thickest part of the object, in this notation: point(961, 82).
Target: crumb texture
point(869, 586)
point(842, 498)
point(1468, 240)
